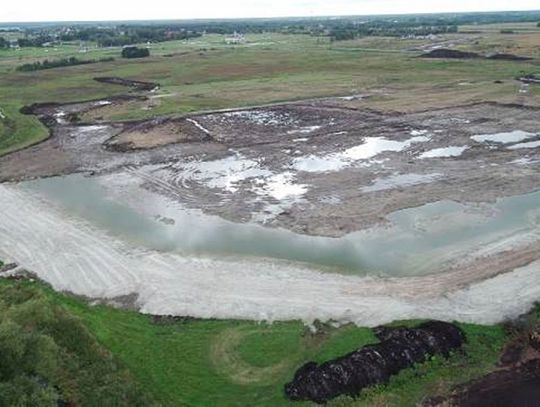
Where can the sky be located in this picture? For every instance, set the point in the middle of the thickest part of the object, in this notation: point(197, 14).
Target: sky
point(101, 10)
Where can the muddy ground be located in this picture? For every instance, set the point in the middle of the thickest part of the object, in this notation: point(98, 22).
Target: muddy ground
point(315, 168)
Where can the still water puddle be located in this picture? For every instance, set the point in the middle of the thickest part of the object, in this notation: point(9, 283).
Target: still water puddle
point(530, 144)
point(504, 138)
point(453, 151)
point(371, 147)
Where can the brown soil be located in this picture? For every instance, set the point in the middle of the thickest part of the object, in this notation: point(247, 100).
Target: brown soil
point(139, 85)
point(275, 136)
point(156, 133)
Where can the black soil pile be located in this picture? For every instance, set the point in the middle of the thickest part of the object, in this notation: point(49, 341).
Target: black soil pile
point(508, 57)
point(400, 348)
point(450, 53)
point(455, 54)
point(139, 85)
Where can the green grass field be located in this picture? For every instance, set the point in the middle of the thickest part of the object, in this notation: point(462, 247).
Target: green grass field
point(206, 73)
point(239, 363)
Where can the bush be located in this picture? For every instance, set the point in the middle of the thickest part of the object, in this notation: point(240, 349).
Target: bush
point(48, 357)
point(135, 52)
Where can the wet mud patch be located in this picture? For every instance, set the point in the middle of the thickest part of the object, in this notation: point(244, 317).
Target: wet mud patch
point(276, 165)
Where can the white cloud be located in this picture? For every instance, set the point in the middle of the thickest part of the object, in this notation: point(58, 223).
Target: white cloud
point(62, 10)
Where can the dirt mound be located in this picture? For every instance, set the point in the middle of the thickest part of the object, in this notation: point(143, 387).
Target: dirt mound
point(450, 53)
point(139, 85)
point(456, 54)
point(374, 364)
point(508, 57)
point(517, 387)
point(156, 133)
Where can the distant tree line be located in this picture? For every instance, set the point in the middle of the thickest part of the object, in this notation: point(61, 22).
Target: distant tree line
point(114, 34)
point(46, 64)
point(354, 31)
point(126, 35)
point(4, 43)
point(135, 52)
point(37, 41)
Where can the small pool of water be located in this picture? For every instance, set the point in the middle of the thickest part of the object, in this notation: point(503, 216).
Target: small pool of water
point(417, 241)
point(504, 138)
point(370, 148)
point(529, 144)
point(453, 151)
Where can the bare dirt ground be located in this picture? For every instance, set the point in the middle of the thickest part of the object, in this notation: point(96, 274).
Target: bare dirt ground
point(156, 133)
point(316, 168)
point(320, 168)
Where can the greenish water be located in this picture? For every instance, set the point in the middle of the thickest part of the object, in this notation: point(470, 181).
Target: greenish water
point(418, 241)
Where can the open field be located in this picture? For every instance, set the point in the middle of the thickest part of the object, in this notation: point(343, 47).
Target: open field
point(206, 74)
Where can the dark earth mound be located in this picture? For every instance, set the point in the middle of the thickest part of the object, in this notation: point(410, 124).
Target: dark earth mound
point(139, 85)
point(508, 57)
point(450, 53)
point(400, 348)
point(516, 387)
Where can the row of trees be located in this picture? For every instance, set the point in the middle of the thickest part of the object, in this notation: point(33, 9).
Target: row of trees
point(46, 64)
point(350, 32)
point(116, 36)
point(110, 34)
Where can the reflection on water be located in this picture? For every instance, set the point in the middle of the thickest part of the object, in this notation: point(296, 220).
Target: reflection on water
point(371, 147)
point(453, 151)
point(418, 241)
point(508, 137)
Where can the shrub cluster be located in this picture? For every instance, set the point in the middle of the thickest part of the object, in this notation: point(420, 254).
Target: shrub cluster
point(135, 52)
point(49, 358)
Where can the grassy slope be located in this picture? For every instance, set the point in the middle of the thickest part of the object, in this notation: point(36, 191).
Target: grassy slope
point(207, 74)
point(47, 355)
point(238, 363)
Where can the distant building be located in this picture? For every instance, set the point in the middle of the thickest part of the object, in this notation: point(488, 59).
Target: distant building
point(236, 38)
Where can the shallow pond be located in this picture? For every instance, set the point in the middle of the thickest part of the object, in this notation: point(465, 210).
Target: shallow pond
point(415, 241)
